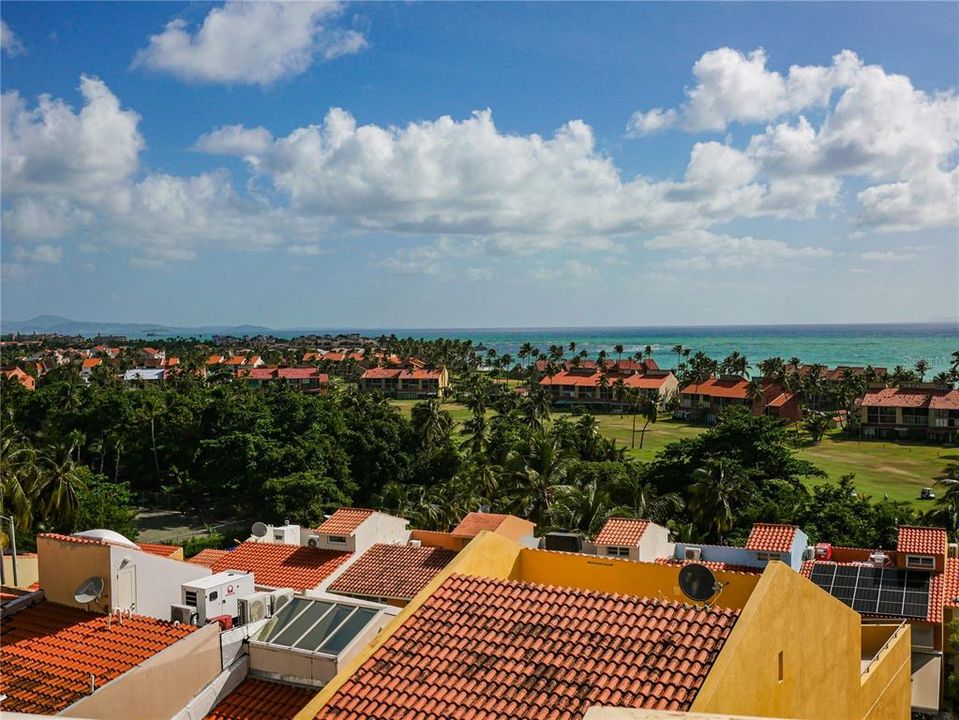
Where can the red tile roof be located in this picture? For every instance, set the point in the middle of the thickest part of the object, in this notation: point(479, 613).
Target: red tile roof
point(476, 522)
point(771, 537)
point(498, 649)
point(912, 398)
point(950, 584)
point(392, 571)
point(255, 699)
point(159, 549)
point(260, 373)
point(208, 557)
point(922, 540)
point(344, 521)
point(646, 382)
point(92, 363)
point(711, 564)
point(723, 387)
point(420, 374)
point(623, 532)
point(302, 374)
point(379, 373)
point(49, 652)
point(275, 565)
point(947, 401)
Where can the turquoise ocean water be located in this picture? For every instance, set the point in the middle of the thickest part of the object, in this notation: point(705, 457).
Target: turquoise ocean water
point(877, 345)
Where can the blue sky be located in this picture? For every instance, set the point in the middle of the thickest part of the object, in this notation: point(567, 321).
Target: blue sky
point(455, 165)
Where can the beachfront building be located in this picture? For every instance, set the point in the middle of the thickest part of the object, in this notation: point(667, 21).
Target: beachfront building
point(610, 385)
point(407, 383)
point(705, 401)
point(307, 379)
point(504, 630)
point(927, 411)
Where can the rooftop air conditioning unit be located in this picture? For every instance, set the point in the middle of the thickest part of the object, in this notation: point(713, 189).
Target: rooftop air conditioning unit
point(183, 614)
point(313, 541)
point(279, 598)
point(253, 607)
point(693, 553)
point(416, 543)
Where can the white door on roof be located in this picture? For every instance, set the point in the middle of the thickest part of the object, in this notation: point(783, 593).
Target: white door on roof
point(126, 597)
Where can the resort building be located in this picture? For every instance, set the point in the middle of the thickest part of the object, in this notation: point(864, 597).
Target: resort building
point(917, 584)
point(705, 401)
point(610, 386)
point(927, 411)
point(306, 379)
point(406, 383)
point(21, 377)
point(508, 631)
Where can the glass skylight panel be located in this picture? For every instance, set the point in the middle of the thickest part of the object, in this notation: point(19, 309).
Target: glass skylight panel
point(302, 622)
point(348, 630)
point(318, 634)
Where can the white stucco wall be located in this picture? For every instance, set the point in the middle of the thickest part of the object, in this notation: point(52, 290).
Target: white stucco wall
point(158, 579)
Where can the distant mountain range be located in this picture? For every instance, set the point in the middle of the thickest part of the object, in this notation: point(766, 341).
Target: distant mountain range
point(65, 326)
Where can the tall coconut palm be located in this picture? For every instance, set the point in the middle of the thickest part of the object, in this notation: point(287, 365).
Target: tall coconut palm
point(60, 494)
point(535, 470)
point(921, 367)
point(678, 349)
point(649, 409)
point(434, 423)
point(641, 500)
point(21, 478)
point(715, 490)
point(618, 349)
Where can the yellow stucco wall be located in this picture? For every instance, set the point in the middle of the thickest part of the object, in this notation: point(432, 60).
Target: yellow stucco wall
point(591, 572)
point(27, 569)
point(819, 640)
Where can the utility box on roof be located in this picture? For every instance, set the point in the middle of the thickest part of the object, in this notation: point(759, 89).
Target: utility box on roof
point(217, 594)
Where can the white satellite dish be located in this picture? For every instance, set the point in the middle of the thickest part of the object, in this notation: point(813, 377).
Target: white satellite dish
point(259, 529)
point(90, 590)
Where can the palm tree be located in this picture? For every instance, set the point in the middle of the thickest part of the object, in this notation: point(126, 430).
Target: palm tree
point(650, 410)
point(61, 490)
point(618, 349)
point(678, 349)
point(754, 392)
point(648, 351)
point(21, 478)
point(641, 498)
point(536, 469)
point(921, 367)
point(714, 492)
point(572, 346)
point(433, 423)
point(581, 507)
point(816, 425)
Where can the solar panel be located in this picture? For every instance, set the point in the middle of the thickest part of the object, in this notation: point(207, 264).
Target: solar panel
point(876, 591)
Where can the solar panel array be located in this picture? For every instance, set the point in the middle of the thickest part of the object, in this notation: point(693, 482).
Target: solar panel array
point(876, 591)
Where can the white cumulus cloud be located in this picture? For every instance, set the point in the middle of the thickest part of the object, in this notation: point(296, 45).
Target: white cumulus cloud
point(9, 42)
point(251, 43)
point(704, 249)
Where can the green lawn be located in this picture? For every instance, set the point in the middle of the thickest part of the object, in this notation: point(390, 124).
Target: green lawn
point(899, 469)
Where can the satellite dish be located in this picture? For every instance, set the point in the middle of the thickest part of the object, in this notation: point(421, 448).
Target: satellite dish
point(697, 582)
point(90, 590)
point(259, 529)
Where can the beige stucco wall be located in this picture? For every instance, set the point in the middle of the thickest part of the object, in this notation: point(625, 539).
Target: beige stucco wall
point(64, 565)
point(27, 569)
point(160, 687)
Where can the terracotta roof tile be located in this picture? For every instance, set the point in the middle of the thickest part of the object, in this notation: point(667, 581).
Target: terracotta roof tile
point(344, 521)
point(723, 387)
point(49, 652)
point(771, 537)
point(922, 540)
point(712, 565)
point(476, 522)
point(208, 557)
point(392, 571)
point(499, 649)
point(255, 699)
point(73, 539)
point(623, 532)
point(159, 549)
point(276, 565)
point(950, 580)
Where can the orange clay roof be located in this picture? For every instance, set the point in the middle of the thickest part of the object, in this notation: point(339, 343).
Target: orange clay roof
point(49, 652)
point(771, 537)
point(214, 360)
point(711, 564)
point(92, 363)
point(724, 387)
point(476, 522)
point(947, 401)
point(275, 565)
point(624, 532)
point(379, 373)
point(344, 521)
point(255, 699)
point(392, 571)
point(159, 549)
point(497, 649)
point(208, 557)
point(912, 398)
point(921, 540)
point(950, 590)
